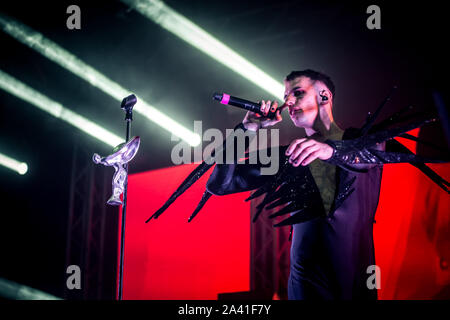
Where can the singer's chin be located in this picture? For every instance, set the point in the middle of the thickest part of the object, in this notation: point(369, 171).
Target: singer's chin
point(299, 119)
point(296, 113)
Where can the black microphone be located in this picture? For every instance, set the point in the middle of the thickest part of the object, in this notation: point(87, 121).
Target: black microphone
point(241, 103)
point(128, 102)
point(127, 105)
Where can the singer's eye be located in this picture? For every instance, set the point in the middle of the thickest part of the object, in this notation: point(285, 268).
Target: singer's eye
point(299, 93)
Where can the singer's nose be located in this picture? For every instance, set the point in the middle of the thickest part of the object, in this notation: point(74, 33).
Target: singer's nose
point(289, 102)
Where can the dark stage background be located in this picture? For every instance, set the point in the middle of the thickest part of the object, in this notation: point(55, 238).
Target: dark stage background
point(409, 51)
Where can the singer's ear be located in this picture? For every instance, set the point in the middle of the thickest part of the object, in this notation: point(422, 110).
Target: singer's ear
point(325, 97)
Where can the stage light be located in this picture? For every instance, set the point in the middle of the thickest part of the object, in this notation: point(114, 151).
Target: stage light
point(24, 92)
point(67, 60)
point(11, 290)
point(10, 163)
point(160, 13)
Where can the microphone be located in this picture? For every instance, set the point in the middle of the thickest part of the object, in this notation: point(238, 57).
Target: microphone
point(128, 102)
point(127, 105)
point(243, 104)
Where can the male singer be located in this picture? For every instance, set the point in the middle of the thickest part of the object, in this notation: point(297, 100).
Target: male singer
point(328, 184)
point(330, 254)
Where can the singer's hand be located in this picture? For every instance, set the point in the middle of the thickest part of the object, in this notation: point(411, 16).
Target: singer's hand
point(254, 121)
point(304, 151)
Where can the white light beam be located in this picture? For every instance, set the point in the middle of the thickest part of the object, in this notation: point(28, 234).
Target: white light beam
point(24, 92)
point(13, 164)
point(172, 21)
point(67, 60)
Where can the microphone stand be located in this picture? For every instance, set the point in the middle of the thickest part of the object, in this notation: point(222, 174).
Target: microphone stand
point(127, 106)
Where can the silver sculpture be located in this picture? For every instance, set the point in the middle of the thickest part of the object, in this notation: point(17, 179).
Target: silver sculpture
point(122, 154)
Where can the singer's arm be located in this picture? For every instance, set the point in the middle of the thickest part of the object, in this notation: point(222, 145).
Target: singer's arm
point(236, 177)
point(239, 177)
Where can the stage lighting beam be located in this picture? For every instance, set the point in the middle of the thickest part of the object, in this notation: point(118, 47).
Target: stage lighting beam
point(172, 21)
point(67, 60)
point(13, 164)
point(26, 93)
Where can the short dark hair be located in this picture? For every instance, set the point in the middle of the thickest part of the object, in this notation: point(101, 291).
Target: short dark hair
point(314, 76)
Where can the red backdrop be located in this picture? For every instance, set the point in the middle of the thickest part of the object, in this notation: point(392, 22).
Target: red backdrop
point(169, 258)
point(412, 232)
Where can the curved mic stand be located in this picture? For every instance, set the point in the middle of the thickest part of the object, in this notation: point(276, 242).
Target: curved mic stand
point(122, 154)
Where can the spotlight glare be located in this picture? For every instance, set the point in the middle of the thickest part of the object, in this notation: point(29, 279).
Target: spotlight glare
point(10, 163)
point(44, 103)
point(65, 59)
point(23, 168)
point(160, 13)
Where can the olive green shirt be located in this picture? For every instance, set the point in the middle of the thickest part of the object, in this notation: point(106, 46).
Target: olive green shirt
point(325, 174)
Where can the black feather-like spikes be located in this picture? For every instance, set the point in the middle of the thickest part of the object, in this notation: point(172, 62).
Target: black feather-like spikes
point(293, 187)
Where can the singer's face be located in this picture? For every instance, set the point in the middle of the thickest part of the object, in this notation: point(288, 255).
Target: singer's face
point(300, 97)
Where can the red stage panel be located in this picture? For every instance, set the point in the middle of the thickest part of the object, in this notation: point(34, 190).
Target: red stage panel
point(169, 258)
point(412, 232)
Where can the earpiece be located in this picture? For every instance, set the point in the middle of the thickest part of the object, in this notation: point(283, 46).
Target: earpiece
point(323, 97)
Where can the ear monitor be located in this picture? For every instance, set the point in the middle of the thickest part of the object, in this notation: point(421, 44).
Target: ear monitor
point(323, 97)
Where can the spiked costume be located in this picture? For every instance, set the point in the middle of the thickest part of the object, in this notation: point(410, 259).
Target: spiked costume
point(330, 204)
